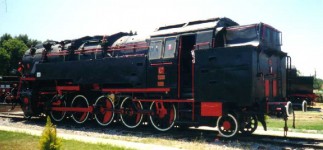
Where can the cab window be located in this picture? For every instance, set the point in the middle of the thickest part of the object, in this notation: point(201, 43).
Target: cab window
point(169, 49)
point(155, 49)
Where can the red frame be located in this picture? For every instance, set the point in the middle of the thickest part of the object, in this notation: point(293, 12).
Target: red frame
point(179, 68)
point(47, 93)
point(267, 89)
point(211, 109)
point(136, 90)
point(73, 109)
point(28, 79)
point(60, 89)
point(61, 53)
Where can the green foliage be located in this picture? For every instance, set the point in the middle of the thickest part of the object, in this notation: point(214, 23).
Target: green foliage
point(310, 120)
point(15, 48)
point(48, 139)
point(5, 37)
point(15, 140)
point(12, 50)
point(29, 42)
point(318, 83)
point(5, 61)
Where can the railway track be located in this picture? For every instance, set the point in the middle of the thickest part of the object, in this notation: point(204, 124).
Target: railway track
point(190, 134)
point(287, 142)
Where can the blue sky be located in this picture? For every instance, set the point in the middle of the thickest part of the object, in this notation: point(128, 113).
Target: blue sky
point(300, 21)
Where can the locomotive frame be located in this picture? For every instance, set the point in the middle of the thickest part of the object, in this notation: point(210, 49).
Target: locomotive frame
point(207, 72)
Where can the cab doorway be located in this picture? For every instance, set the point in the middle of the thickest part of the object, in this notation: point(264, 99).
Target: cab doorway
point(187, 43)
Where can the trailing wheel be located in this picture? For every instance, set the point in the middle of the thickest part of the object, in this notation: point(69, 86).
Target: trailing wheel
point(104, 110)
point(130, 115)
point(249, 124)
point(57, 101)
point(80, 101)
point(304, 106)
point(163, 115)
point(227, 125)
point(26, 106)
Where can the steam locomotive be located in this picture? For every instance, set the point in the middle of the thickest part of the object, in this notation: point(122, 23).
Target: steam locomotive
point(210, 72)
point(300, 90)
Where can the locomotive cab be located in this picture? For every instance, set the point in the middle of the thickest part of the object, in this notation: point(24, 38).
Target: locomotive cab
point(170, 54)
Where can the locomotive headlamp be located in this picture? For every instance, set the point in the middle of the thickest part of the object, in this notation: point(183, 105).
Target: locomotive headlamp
point(38, 74)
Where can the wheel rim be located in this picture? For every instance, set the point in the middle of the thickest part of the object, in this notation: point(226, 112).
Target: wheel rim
point(289, 108)
point(160, 121)
point(304, 106)
point(57, 115)
point(130, 116)
point(249, 124)
point(227, 125)
point(80, 101)
point(103, 117)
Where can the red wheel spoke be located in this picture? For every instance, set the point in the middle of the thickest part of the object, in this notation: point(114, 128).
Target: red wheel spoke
point(163, 115)
point(107, 117)
point(130, 115)
point(80, 101)
point(83, 116)
point(138, 116)
point(104, 117)
point(171, 116)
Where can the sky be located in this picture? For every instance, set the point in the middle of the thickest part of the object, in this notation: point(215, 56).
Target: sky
point(300, 21)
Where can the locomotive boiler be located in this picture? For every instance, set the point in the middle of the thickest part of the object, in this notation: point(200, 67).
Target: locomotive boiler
point(210, 72)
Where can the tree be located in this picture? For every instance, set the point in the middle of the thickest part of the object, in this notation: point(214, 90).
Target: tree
point(15, 48)
point(5, 37)
point(318, 83)
point(29, 42)
point(32, 42)
point(48, 139)
point(4, 59)
point(12, 50)
point(23, 37)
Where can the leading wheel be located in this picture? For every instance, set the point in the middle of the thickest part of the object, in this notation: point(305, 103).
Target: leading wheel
point(104, 114)
point(227, 125)
point(57, 101)
point(130, 115)
point(249, 124)
point(80, 101)
point(26, 106)
point(163, 115)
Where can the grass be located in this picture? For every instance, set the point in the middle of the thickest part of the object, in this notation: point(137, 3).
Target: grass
point(310, 121)
point(13, 141)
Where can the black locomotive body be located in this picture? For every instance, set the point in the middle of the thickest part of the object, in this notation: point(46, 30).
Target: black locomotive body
point(207, 72)
point(300, 90)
